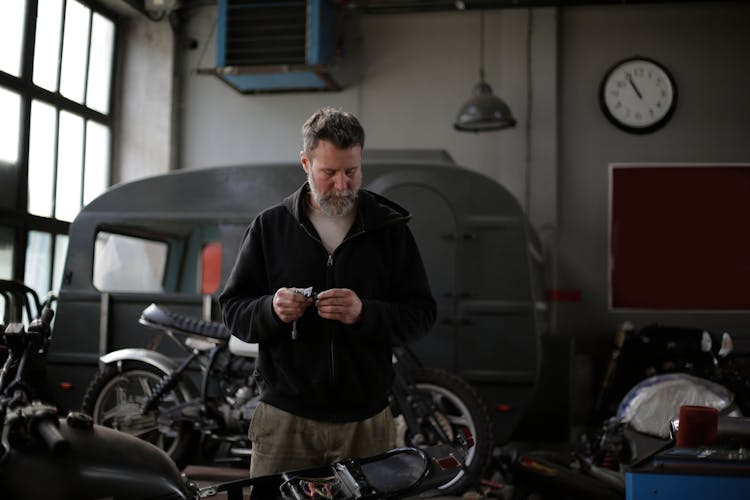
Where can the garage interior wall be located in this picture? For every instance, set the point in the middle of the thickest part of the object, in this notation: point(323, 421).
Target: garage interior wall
point(418, 68)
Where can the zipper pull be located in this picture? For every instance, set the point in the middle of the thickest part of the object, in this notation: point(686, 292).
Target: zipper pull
point(330, 260)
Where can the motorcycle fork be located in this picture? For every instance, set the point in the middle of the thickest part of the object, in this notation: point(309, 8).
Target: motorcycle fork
point(416, 407)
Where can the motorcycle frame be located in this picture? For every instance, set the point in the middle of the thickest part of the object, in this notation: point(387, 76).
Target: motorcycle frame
point(175, 373)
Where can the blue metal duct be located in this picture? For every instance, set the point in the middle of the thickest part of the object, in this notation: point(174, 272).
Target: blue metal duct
point(276, 46)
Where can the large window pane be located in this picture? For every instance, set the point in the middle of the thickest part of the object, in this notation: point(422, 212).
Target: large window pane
point(11, 35)
point(10, 121)
point(96, 173)
point(128, 264)
point(75, 50)
point(58, 263)
point(100, 63)
point(69, 166)
point(47, 46)
point(6, 261)
point(6, 253)
point(42, 158)
point(38, 262)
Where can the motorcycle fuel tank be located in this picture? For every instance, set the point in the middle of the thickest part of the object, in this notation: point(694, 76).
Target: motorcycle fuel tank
point(99, 463)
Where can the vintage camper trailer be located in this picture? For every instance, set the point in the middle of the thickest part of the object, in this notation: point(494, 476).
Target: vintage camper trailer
point(172, 239)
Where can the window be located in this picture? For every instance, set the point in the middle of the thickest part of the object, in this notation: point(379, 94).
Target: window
point(164, 256)
point(129, 264)
point(56, 74)
point(6, 254)
point(10, 104)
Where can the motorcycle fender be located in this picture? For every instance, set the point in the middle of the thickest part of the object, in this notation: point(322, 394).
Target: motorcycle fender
point(153, 358)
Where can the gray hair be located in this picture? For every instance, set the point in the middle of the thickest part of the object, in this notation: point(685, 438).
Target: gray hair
point(340, 128)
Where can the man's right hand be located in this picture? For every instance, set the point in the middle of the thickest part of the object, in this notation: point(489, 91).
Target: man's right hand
point(289, 304)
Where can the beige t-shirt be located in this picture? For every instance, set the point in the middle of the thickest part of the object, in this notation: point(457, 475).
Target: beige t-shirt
point(332, 230)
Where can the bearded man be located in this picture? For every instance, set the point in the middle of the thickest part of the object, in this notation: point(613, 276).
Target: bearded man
point(324, 364)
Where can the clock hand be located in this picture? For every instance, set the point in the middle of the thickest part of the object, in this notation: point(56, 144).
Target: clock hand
point(632, 84)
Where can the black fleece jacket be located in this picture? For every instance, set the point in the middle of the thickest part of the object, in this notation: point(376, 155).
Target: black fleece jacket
point(331, 371)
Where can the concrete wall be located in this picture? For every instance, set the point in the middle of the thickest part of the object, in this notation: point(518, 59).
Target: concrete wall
point(143, 142)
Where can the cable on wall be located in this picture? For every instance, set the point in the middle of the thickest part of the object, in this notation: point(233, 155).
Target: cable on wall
point(529, 109)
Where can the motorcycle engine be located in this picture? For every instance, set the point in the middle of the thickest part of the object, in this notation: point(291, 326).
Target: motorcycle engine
point(241, 397)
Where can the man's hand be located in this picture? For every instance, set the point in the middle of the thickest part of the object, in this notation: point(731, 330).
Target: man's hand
point(340, 304)
point(289, 304)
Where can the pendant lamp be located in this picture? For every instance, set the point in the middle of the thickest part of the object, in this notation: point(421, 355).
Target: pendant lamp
point(483, 111)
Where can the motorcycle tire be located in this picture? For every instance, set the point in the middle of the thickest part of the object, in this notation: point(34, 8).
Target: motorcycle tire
point(114, 399)
point(460, 405)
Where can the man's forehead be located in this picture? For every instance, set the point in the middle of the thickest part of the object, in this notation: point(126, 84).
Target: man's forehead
point(336, 157)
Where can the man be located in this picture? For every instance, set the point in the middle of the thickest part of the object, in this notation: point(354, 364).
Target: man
point(324, 364)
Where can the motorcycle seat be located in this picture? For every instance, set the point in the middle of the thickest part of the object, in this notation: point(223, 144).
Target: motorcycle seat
point(159, 317)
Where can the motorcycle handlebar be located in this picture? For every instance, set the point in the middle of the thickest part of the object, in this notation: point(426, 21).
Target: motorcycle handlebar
point(47, 315)
point(55, 441)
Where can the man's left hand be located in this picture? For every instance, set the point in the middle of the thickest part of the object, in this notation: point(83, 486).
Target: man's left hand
point(340, 304)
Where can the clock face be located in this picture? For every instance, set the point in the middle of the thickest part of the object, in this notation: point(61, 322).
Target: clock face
point(638, 95)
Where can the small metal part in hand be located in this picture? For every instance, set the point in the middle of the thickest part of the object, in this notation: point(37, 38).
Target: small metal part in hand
point(307, 292)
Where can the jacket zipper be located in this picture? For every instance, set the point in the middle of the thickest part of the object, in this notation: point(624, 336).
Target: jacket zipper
point(329, 277)
point(329, 281)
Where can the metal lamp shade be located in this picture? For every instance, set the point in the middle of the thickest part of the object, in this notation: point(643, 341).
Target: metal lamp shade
point(484, 111)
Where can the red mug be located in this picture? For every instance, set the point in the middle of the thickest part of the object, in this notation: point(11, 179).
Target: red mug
point(698, 426)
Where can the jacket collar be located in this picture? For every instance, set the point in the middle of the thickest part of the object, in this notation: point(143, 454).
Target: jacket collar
point(373, 210)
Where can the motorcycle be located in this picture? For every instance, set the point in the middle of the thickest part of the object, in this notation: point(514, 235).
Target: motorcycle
point(400, 473)
point(156, 398)
point(43, 455)
point(704, 373)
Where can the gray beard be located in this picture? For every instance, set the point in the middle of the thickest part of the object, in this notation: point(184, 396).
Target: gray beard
point(337, 204)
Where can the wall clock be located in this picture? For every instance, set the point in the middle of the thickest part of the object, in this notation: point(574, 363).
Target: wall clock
point(638, 95)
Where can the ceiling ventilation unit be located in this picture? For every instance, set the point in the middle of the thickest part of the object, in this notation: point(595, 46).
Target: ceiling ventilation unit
point(279, 46)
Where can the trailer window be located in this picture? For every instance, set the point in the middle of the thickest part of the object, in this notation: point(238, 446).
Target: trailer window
point(129, 264)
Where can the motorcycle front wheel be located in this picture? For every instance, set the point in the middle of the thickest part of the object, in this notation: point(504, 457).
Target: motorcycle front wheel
point(115, 399)
point(458, 407)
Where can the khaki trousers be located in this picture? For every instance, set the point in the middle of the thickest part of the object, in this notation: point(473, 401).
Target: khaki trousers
point(283, 442)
